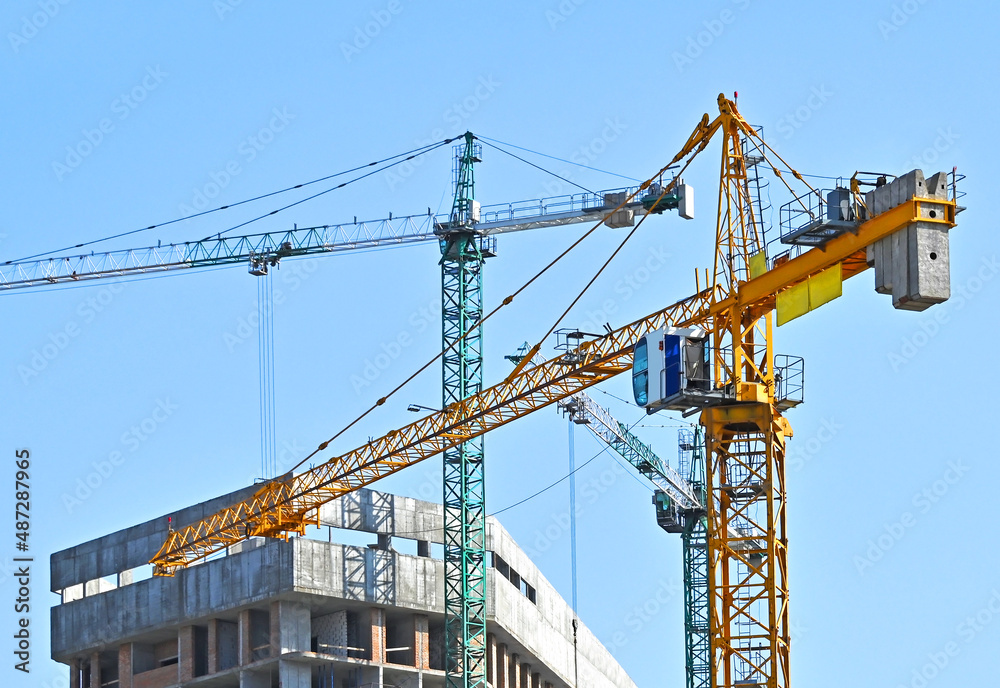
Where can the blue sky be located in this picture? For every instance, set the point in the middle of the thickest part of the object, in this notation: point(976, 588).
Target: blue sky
point(124, 115)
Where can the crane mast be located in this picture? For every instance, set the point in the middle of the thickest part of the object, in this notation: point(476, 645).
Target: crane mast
point(741, 405)
point(745, 442)
point(463, 253)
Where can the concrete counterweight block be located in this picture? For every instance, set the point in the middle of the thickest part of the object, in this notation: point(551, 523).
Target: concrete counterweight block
point(912, 264)
point(929, 269)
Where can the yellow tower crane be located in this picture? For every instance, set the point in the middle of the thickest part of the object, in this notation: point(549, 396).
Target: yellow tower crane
point(710, 352)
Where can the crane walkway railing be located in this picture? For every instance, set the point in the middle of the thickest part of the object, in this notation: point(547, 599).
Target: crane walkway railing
point(260, 251)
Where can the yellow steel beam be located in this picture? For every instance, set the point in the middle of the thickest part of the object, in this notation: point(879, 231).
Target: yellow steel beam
point(289, 504)
point(763, 289)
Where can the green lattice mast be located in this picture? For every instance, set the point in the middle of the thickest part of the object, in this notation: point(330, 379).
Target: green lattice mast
point(464, 495)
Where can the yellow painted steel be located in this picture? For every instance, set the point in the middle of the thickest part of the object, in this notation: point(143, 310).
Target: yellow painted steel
point(825, 286)
point(747, 544)
point(818, 289)
point(746, 440)
point(792, 303)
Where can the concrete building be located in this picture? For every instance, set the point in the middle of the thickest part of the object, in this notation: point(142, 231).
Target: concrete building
point(308, 612)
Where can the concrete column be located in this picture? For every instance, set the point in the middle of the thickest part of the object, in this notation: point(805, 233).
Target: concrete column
point(95, 670)
point(515, 672)
point(185, 653)
point(124, 666)
point(421, 642)
point(503, 666)
point(74, 674)
point(491, 660)
point(524, 678)
point(294, 674)
point(213, 647)
point(246, 652)
point(536, 680)
point(378, 635)
point(291, 630)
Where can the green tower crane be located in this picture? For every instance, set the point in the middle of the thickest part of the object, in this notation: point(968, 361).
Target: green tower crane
point(463, 253)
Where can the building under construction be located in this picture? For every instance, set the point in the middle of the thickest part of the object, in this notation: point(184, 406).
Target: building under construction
point(309, 612)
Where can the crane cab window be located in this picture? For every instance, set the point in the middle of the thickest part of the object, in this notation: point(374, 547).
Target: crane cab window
point(640, 372)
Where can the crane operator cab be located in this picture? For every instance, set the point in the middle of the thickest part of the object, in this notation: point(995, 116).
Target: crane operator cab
point(671, 369)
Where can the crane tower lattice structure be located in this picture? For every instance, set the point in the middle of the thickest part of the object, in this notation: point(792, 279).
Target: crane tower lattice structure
point(745, 431)
point(462, 259)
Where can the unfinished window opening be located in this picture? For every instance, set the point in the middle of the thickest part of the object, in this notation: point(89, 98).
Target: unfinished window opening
point(505, 570)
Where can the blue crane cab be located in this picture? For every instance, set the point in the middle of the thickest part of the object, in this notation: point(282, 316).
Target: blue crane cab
point(672, 369)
